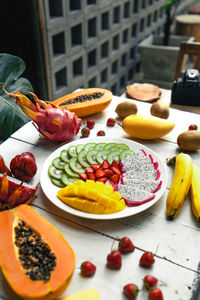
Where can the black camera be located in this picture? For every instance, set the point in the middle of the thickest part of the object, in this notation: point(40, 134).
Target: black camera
point(186, 90)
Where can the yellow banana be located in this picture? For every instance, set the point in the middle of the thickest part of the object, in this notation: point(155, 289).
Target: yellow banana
point(195, 192)
point(180, 185)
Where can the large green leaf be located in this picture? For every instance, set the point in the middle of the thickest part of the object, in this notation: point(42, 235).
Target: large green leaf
point(11, 116)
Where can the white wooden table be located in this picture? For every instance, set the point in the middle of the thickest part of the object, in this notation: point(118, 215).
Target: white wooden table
point(177, 261)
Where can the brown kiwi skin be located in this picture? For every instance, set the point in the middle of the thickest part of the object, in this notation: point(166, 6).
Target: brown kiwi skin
point(160, 109)
point(126, 108)
point(189, 140)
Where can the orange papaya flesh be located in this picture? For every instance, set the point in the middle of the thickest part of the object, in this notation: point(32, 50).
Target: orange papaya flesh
point(12, 266)
point(86, 101)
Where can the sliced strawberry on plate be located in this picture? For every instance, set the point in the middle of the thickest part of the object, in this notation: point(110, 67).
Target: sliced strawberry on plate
point(99, 173)
point(83, 176)
point(115, 164)
point(89, 170)
point(115, 178)
point(108, 173)
point(91, 176)
point(116, 170)
point(95, 166)
point(106, 165)
point(103, 179)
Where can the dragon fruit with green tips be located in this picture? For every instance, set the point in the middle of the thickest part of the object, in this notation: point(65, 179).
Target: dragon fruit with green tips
point(52, 122)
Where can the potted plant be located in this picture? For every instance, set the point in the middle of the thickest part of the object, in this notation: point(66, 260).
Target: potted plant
point(159, 53)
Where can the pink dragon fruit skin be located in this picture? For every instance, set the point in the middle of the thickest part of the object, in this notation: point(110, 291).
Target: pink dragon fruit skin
point(54, 123)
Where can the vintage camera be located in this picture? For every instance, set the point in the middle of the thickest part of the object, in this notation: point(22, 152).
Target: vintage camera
point(186, 90)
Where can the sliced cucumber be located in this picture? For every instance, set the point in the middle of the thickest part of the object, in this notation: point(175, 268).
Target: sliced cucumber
point(64, 155)
point(72, 151)
point(76, 166)
point(57, 182)
point(125, 153)
point(70, 172)
point(109, 146)
point(89, 146)
point(91, 156)
point(82, 159)
point(119, 147)
point(54, 172)
point(58, 163)
point(99, 146)
point(79, 148)
point(67, 180)
point(101, 156)
point(113, 156)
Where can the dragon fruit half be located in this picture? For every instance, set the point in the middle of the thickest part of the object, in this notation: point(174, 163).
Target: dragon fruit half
point(52, 122)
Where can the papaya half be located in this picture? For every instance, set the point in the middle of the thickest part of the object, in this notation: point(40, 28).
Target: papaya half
point(85, 102)
point(36, 260)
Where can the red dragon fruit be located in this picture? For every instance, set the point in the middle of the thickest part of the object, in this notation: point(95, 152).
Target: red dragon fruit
point(52, 122)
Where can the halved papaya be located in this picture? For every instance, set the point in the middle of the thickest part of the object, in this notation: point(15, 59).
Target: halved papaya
point(86, 101)
point(35, 259)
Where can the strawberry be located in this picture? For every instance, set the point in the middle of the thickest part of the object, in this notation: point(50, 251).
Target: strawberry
point(91, 176)
point(105, 165)
point(125, 245)
point(90, 124)
point(155, 294)
point(108, 173)
point(85, 132)
point(115, 164)
point(149, 282)
point(147, 259)
point(116, 170)
point(103, 179)
point(114, 260)
point(89, 170)
point(130, 291)
point(95, 166)
point(99, 173)
point(115, 178)
point(101, 133)
point(83, 176)
point(110, 122)
point(87, 269)
point(193, 127)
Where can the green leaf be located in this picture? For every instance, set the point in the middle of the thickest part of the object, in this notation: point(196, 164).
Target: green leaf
point(11, 115)
point(169, 3)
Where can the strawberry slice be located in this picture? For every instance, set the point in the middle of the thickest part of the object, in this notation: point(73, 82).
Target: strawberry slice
point(108, 173)
point(83, 176)
point(91, 176)
point(106, 165)
point(116, 170)
point(89, 170)
point(95, 166)
point(115, 178)
point(115, 164)
point(100, 173)
point(103, 179)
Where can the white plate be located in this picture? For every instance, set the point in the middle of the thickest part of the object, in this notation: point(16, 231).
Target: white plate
point(50, 189)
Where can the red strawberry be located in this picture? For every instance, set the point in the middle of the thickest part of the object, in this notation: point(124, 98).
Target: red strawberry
point(101, 133)
point(90, 124)
point(89, 170)
point(87, 269)
point(125, 245)
point(85, 132)
point(131, 291)
point(110, 122)
point(108, 173)
point(115, 178)
point(115, 164)
point(149, 282)
point(147, 259)
point(156, 294)
point(116, 170)
point(91, 176)
point(105, 165)
point(103, 179)
point(83, 176)
point(99, 173)
point(193, 127)
point(95, 166)
point(114, 260)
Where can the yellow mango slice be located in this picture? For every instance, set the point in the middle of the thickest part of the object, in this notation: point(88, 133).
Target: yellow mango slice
point(88, 294)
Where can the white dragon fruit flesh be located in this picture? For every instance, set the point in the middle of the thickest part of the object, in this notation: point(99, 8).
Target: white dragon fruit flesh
point(146, 185)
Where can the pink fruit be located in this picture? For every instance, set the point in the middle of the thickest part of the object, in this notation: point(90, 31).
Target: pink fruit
point(149, 282)
point(147, 259)
point(90, 124)
point(23, 166)
point(155, 294)
point(85, 132)
point(125, 245)
point(88, 269)
point(110, 122)
point(101, 133)
point(130, 291)
point(114, 260)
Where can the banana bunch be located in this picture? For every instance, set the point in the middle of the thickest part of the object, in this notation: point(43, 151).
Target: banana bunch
point(180, 185)
point(195, 192)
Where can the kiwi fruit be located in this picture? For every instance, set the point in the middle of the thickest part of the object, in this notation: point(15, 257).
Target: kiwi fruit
point(126, 108)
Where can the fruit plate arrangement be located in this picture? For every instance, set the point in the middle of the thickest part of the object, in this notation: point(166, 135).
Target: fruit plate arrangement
point(50, 189)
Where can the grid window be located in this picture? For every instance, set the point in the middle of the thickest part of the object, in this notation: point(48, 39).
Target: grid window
point(142, 25)
point(143, 4)
point(92, 58)
point(114, 89)
point(92, 27)
point(123, 59)
point(75, 4)
point(155, 15)
point(76, 35)
point(78, 67)
point(137, 67)
point(116, 42)
point(92, 82)
point(161, 12)
point(127, 9)
point(116, 15)
point(105, 21)
point(149, 20)
point(55, 8)
point(150, 2)
point(122, 81)
point(132, 53)
point(104, 75)
point(130, 74)
point(115, 67)
point(58, 42)
point(90, 2)
point(135, 6)
point(134, 30)
point(61, 78)
point(125, 36)
point(104, 50)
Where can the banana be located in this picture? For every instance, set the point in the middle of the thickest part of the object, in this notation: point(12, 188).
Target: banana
point(146, 127)
point(195, 192)
point(180, 185)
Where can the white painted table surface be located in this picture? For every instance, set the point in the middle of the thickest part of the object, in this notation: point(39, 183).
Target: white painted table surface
point(177, 259)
